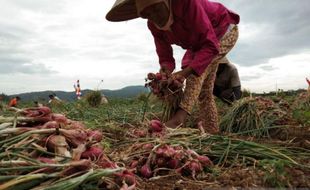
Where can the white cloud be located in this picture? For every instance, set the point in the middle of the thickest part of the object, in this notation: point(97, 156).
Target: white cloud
point(287, 72)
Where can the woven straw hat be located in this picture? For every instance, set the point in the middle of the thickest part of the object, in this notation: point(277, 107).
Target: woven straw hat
point(122, 10)
point(224, 60)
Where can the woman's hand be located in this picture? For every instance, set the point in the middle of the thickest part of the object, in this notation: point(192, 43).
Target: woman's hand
point(185, 72)
point(165, 70)
point(181, 75)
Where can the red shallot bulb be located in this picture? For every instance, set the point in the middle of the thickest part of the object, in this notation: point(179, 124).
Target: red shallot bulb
point(146, 171)
point(156, 126)
point(93, 153)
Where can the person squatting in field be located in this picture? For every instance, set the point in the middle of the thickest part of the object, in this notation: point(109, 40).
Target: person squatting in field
point(14, 101)
point(227, 86)
point(54, 99)
point(207, 30)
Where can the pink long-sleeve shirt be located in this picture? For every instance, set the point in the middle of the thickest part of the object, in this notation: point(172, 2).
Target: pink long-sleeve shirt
point(198, 27)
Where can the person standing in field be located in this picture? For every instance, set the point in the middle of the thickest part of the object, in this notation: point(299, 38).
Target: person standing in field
point(227, 86)
point(77, 89)
point(207, 30)
point(308, 81)
point(14, 101)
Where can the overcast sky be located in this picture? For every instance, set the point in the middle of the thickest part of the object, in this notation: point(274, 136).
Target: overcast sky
point(49, 44)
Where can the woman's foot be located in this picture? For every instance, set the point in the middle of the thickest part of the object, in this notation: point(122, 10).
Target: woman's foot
point(177, 120)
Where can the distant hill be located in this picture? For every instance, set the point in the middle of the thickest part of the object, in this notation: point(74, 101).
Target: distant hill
point(127, 92)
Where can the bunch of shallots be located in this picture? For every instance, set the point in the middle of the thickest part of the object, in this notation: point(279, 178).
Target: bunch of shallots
point(169, 89)
point(162, 85)
point(168, 157)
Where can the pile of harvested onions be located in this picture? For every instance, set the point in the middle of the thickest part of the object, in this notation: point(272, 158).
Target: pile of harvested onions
point(44, 150)
point(221, 150)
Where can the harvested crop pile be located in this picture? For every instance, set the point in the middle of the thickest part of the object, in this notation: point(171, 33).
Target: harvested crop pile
point(188, 154)
point(93, 98)
point(303, 100)
point(301, 111)
point(253, 117)
point(40, 149)
point(164, 157)
point(220, 149)
point(44, 150)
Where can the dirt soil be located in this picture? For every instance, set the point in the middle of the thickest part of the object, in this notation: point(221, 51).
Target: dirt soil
point(231, 178)
point(228, 179)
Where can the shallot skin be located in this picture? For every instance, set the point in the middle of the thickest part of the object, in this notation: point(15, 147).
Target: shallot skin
point(156, 126)
point(146, 171)
point(92, 153)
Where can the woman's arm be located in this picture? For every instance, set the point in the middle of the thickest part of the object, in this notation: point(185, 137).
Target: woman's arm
point(163, 49)
point(208, 44)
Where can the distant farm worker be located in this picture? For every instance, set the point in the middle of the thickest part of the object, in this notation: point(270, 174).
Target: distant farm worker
point(54, 99)
point(207, 30)
point(227, 84)
point(77, 88)
point(13, 102)
point(308, 81)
